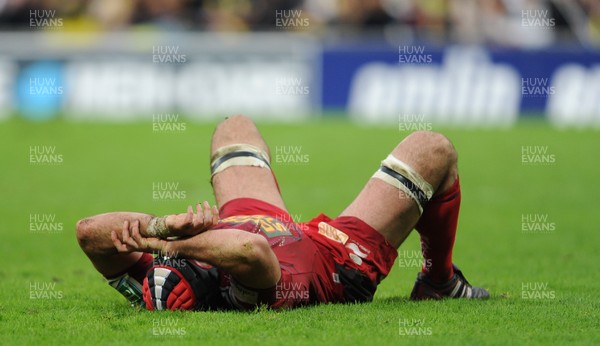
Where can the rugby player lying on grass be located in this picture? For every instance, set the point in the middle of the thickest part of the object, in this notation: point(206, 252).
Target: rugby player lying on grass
point(250, 252)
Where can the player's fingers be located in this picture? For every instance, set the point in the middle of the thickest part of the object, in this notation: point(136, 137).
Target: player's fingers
point(215, 213)
point(128, 239)
point(125, 232)
point(115, 239)
point(199, 220)
point(136, 237)
point(153, 244)
point(207, 214)
point(199, 215)
point(144, 243)
point(189, 217)
point(117, 242)
point(124, 238)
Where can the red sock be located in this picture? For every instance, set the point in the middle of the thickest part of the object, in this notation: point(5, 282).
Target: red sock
point(437, 228)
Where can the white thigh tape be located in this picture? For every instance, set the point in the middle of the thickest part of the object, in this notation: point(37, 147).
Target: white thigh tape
point(405, 178)
point(238, 155)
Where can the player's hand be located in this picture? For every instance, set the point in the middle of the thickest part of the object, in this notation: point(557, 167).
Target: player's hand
point(131, 240)
point(190, 223)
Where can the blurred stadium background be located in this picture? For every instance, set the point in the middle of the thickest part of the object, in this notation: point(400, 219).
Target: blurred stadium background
point(394, 62)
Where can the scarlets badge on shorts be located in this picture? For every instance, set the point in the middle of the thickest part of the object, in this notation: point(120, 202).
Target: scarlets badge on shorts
point(277, 232)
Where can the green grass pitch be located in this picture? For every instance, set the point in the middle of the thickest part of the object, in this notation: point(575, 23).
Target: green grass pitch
point(544, 283)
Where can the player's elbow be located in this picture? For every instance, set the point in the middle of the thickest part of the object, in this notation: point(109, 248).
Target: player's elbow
point(83, 232)
point(260, 266)
point(254, 250)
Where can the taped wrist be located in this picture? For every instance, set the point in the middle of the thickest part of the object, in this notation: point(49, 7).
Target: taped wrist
point(157, 227)
point(238, 155)
point(405, 178)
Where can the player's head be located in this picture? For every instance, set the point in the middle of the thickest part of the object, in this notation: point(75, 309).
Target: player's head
point(180, 284)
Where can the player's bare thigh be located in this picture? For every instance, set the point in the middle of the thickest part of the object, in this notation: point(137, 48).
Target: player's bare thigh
point(391, 211)
point(243, 181)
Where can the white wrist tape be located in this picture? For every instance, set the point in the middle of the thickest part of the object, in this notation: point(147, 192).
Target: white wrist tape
point(157, 227)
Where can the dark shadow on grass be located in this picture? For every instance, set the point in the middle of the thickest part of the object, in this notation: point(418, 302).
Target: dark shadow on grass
point(387, 301)
point(393, 300)
point(406, 300)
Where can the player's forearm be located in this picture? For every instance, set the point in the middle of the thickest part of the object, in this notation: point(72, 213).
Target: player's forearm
point(93, 233)
point(224, 248)
point(247, 256)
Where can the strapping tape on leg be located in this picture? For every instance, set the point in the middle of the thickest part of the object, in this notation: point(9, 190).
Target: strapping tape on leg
point(238, 155)
point(405, 178)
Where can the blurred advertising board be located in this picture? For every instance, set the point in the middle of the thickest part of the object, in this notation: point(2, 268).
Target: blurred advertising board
point(133, 76)
point(462, 85)
point(286, 77)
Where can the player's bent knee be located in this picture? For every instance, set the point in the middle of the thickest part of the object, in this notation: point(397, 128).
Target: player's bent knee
point(444, 147)
point(428, 152)
point(435, 144)
point(237, 121)
point(237, 129)
point(233, 125)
